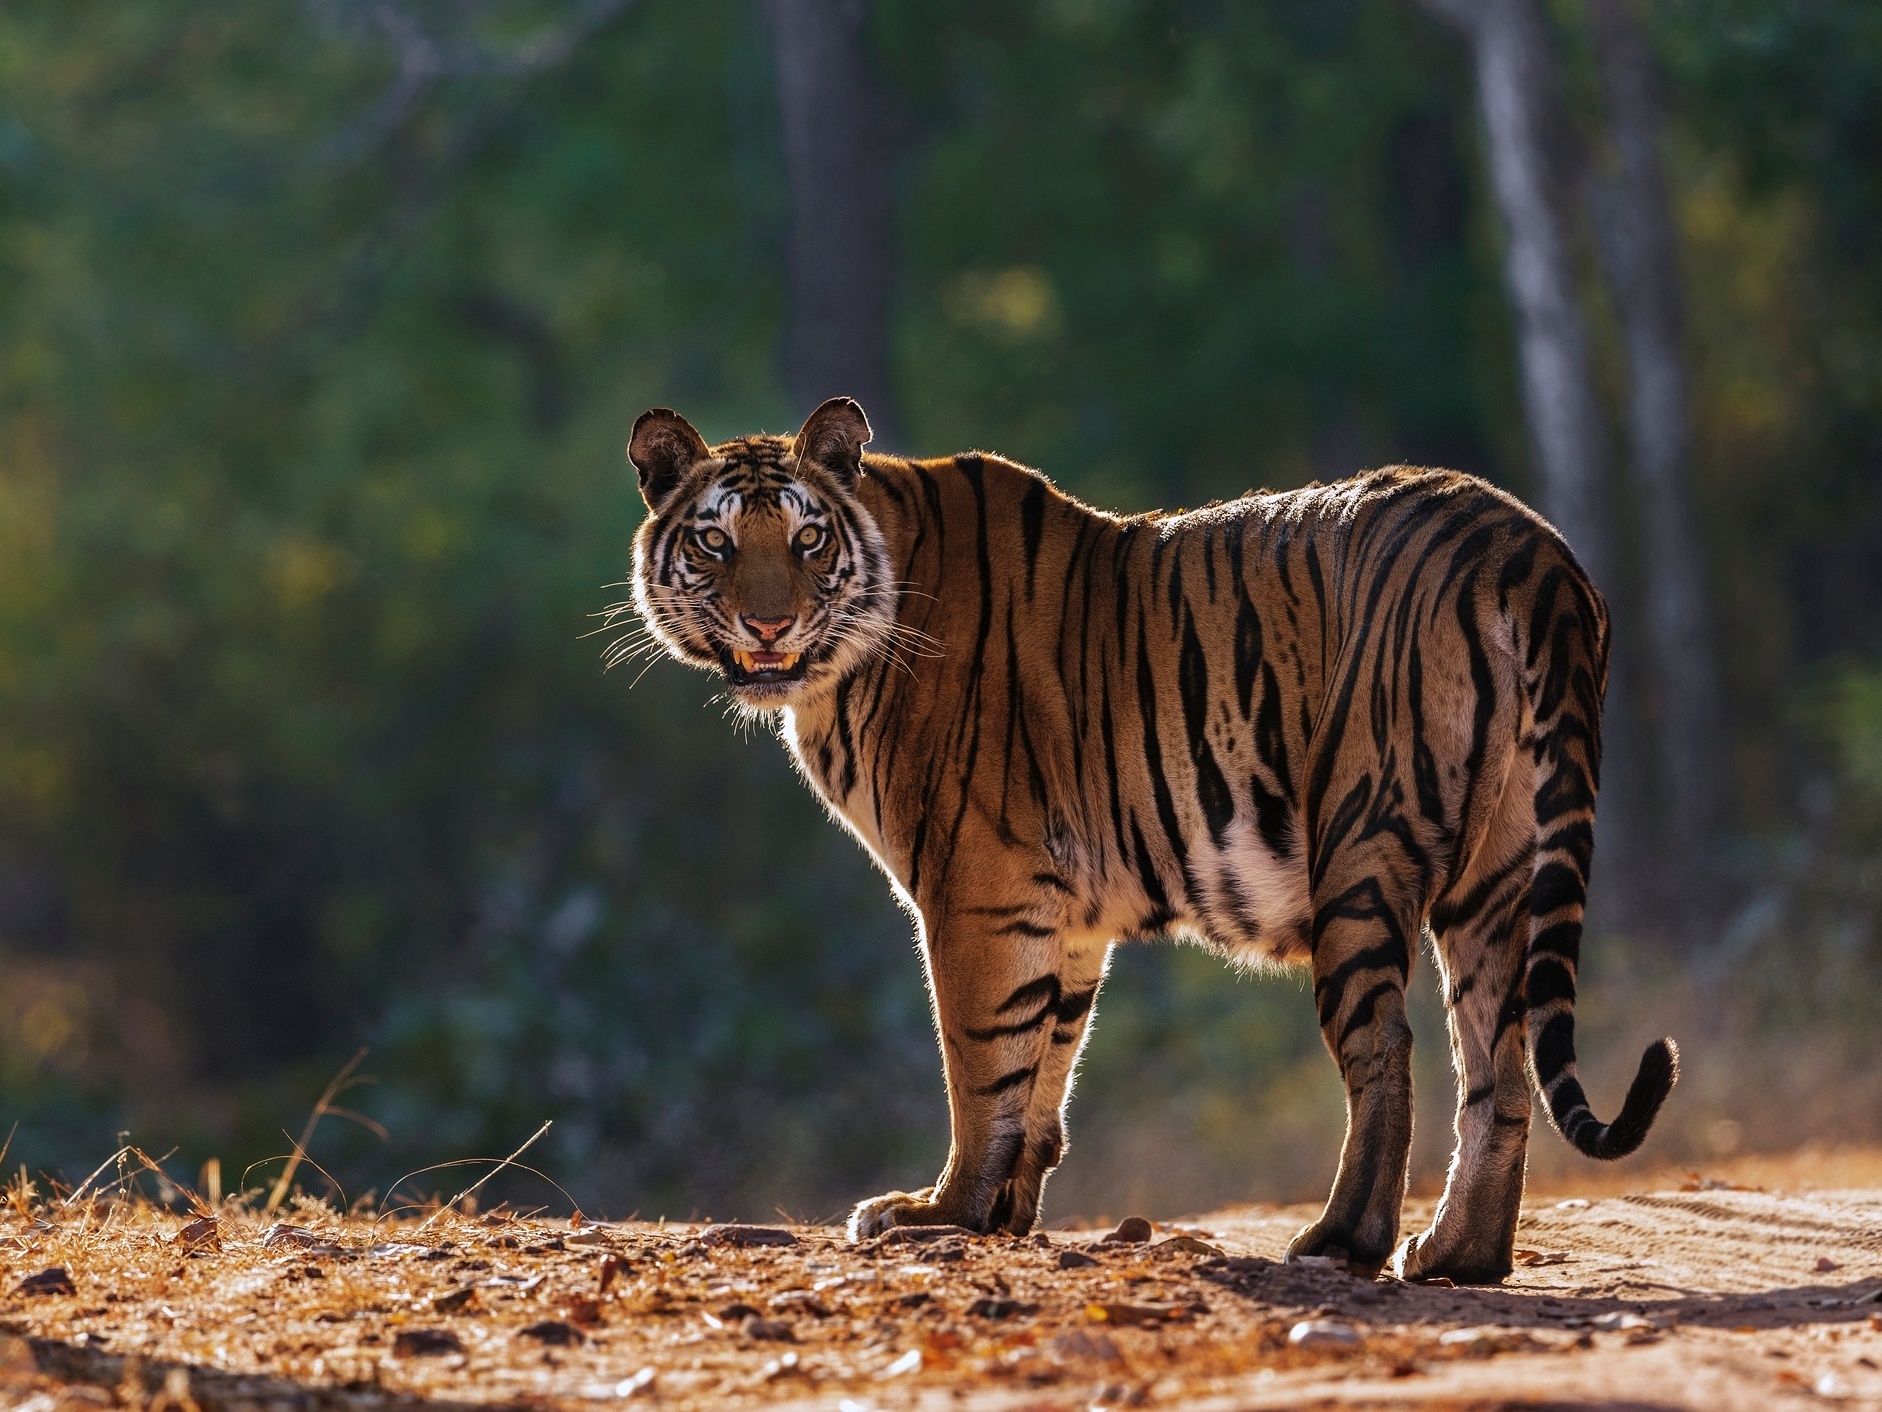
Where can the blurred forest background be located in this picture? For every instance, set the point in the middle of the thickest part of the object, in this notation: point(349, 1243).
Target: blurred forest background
point(322, 323)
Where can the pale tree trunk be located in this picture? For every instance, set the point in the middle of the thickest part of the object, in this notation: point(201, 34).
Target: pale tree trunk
point(1640, 254)
point(840, 240)
point(1524, 124)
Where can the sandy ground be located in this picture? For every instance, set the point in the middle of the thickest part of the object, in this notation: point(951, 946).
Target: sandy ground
point(1689, 1293)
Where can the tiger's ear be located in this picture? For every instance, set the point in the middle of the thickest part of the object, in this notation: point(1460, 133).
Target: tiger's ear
point(833, 437)
point(663, 448)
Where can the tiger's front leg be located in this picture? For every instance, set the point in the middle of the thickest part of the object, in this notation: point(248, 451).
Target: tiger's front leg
point(1012, 1000)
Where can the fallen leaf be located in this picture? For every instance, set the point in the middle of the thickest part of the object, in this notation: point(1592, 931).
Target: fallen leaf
point(1116, 1313)
point(802, 1299)
point(906, 1235)
point(1076, 1345)
point(584, 1312)
point(454, 1301)
point(281, 1233)
point(746, 1236)
point(53, 1281)
point(553, 1332)
point(394, 1249)
point(204, 1233)
point(993, 1308)
point(1535, 1258)
point(425, 1343)
point(611, 1268)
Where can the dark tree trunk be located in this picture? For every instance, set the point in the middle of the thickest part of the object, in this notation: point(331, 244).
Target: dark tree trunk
point(837, 161)
point(1525, 129)
point(1633, 219)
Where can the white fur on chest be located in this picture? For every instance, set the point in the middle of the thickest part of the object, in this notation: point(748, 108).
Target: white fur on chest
point(856, 813)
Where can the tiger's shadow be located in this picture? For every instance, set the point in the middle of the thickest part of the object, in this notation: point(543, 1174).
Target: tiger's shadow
point(1283, 1287)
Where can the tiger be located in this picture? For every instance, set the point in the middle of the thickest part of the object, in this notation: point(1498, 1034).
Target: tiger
point(1313, 729)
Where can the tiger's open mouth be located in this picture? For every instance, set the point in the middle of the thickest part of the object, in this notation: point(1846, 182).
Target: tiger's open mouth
point(762, 668)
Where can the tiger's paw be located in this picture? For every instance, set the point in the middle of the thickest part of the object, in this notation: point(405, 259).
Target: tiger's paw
point(895, 1208)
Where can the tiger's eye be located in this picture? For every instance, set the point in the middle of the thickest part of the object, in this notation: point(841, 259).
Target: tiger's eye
point(714, 540)
point(809, 537)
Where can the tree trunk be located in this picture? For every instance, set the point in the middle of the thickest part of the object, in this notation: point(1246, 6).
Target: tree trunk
point(1525, 126)
point(1633, 219)
point(837, 162)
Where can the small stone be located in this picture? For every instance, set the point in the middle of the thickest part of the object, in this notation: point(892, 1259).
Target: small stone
point(1132, 1230)
point(1480, 1343)
point(1825, 1265)
point(782, 1366)
point(739, 1313)
point(1184, 1245)
point(1322, 1333)
point(774, 1330)
point(1075, 1260)
point(909, 1362)
point(639, 1385)
point(426, 1343)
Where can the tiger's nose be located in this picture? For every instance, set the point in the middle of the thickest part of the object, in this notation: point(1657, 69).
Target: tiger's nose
point(768, 628)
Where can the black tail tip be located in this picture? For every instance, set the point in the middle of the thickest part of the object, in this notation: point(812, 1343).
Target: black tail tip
point(1659, 1071)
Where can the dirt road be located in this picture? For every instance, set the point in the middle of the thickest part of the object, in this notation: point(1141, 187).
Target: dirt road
point(1712, 1299)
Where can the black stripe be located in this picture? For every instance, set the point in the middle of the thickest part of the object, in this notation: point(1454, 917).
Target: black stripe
point(1032, 518)
point(1010, 1080)
point(1192, 682)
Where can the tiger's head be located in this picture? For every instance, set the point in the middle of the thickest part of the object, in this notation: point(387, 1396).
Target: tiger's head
point(758, 559)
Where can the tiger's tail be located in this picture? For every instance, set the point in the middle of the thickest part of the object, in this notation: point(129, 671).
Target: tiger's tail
point(1566, 678)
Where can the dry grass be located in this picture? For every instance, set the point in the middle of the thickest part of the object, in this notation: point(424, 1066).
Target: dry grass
point(338, 1308)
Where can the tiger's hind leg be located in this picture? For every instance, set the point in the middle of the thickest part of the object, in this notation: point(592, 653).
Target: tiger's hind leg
point(1482, 930)
point(1366, 906)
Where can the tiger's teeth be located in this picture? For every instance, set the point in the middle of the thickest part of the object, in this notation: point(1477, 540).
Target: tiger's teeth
point(744, 659)
point(790, 660)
